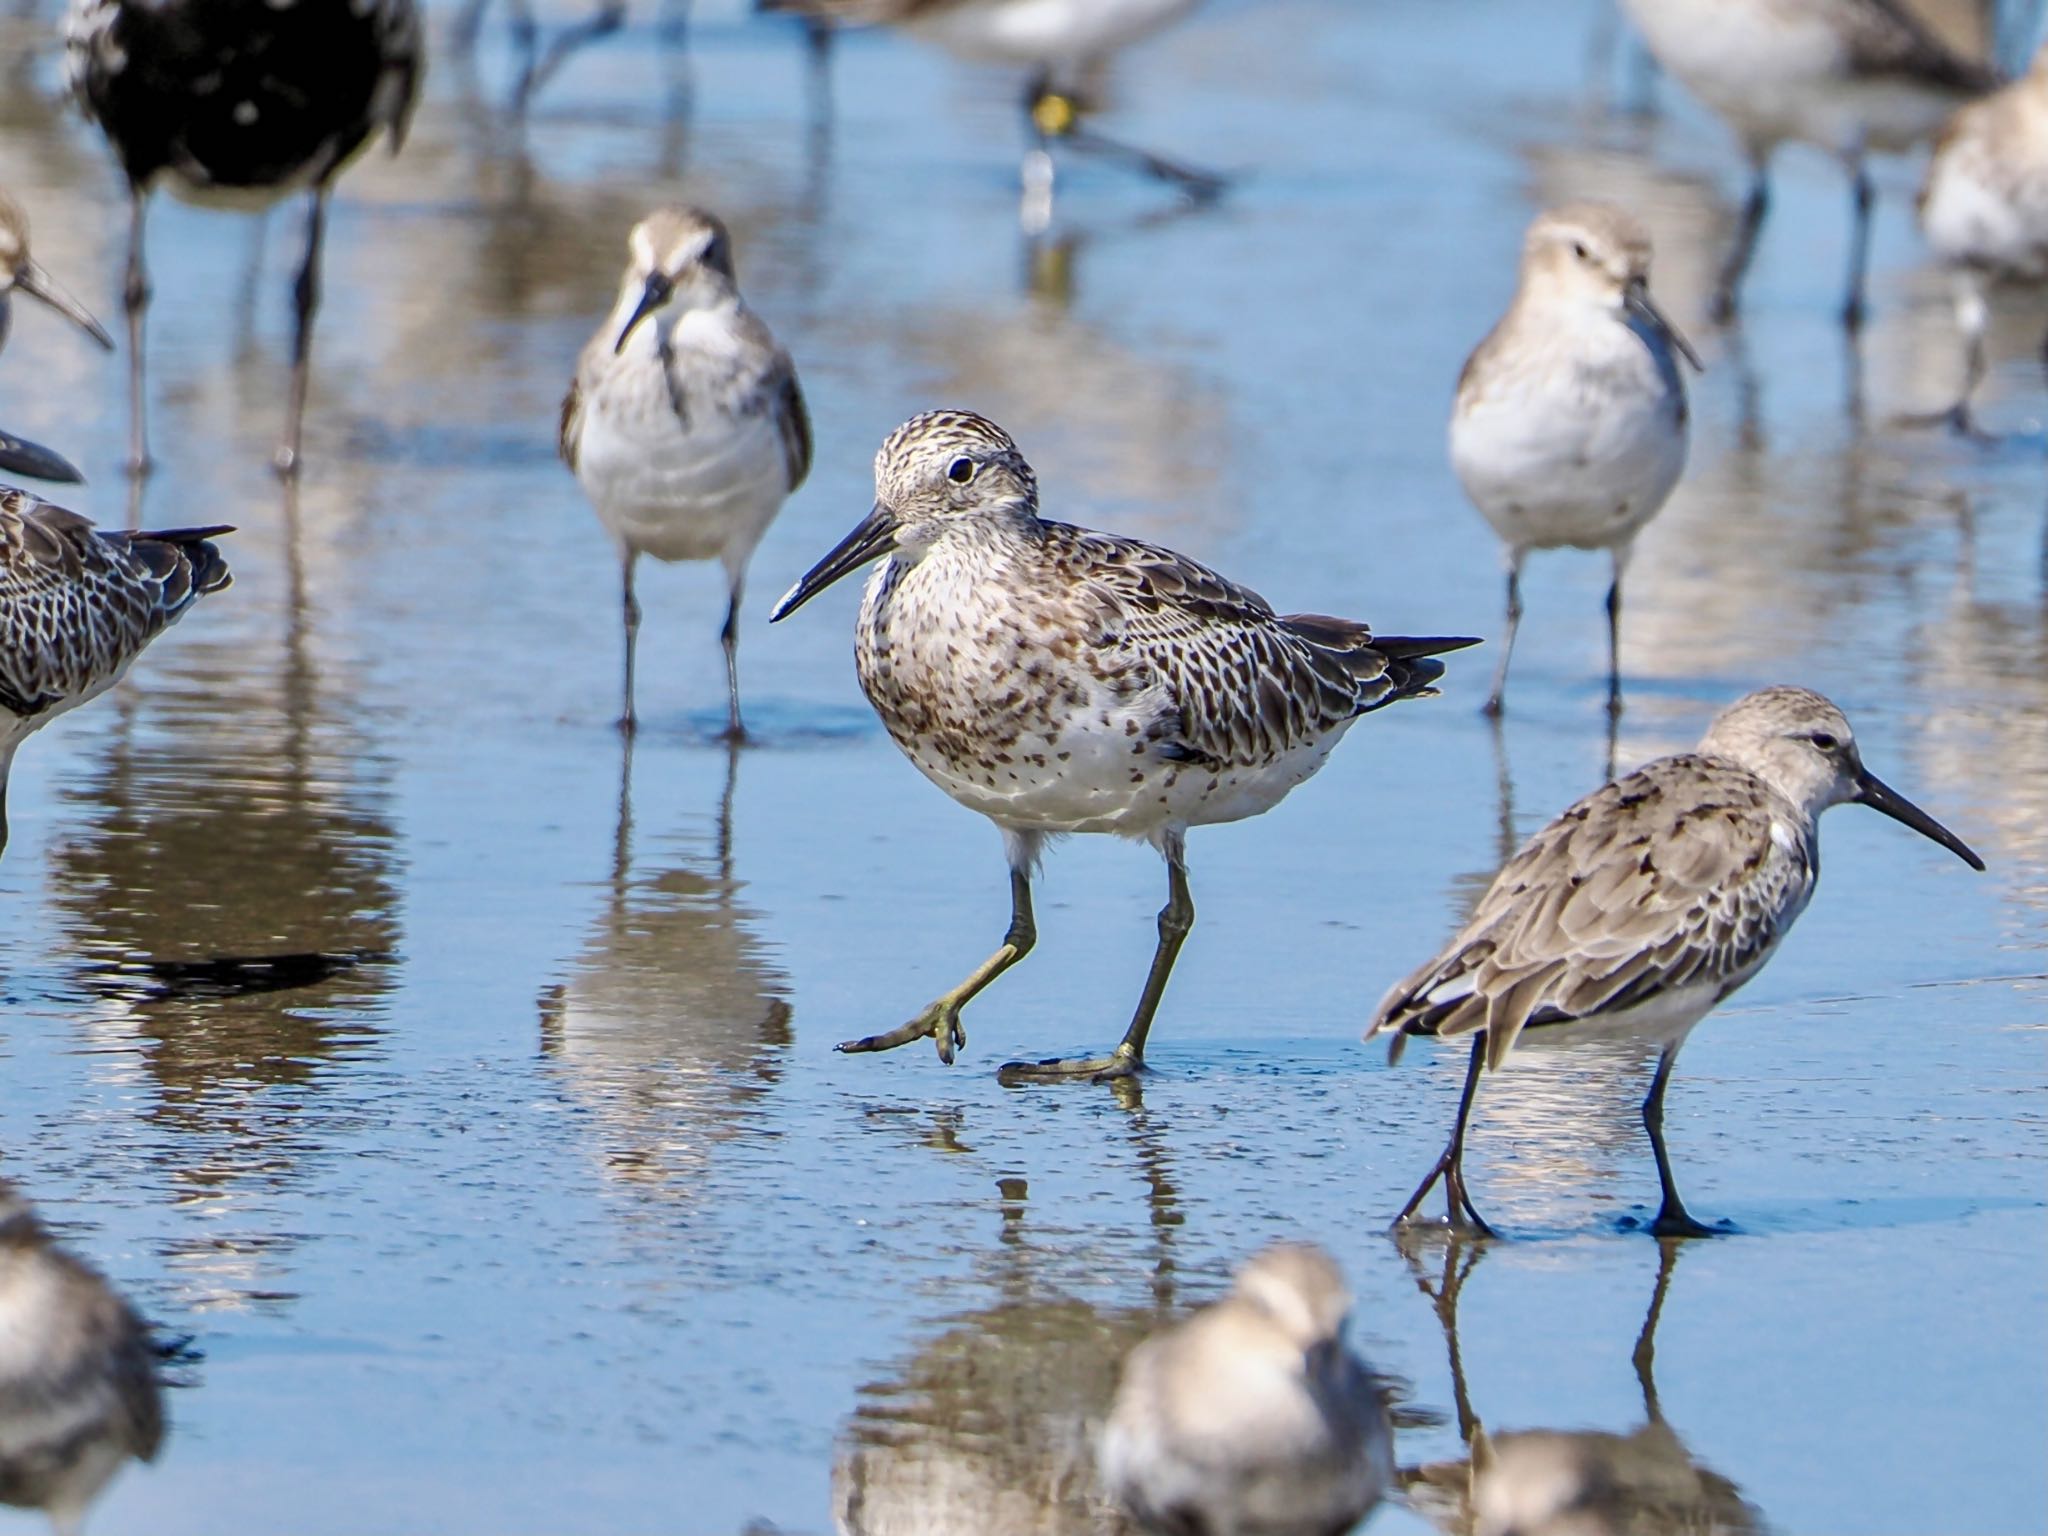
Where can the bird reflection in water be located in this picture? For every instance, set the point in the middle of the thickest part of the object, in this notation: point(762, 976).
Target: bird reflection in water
point(1542, 1482)
point(674, 1019)
point(991, 1424)
point(228, 881)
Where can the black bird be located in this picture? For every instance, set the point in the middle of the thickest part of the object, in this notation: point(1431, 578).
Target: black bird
point(240, 103)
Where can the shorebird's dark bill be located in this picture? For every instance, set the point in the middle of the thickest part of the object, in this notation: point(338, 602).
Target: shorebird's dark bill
point(21, 457)
point(874, 534)
point(1637, 301)
point(38, 284)
point(1880, 796)
point(652, 297)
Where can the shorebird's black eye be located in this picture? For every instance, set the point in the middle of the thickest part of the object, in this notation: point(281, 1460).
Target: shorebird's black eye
point(960, 471)
point(1579, 250)
point(1824, 741)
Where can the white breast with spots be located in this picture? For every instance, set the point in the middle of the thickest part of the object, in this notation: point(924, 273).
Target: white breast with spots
point(991, 677)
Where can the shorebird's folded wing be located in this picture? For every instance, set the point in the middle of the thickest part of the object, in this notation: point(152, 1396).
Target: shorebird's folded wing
point(1684, 873)
point(1248, 684)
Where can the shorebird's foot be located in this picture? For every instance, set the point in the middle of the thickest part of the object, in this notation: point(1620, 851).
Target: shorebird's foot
point(1121, 1063)
point(1677, 1222)
point(1957, 419)
point(941, 1021)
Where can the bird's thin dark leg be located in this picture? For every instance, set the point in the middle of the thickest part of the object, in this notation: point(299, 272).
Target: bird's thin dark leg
point(609, 16)
point(135, 303)
point(629, 610)
point(1462, 1214)
point(941, 1019)
point(1861, 198)
point(305, 305)
point(1176, 918)
point(1728, 287)
point(1614, 635)
point(1673, 1220)
point(729, 637)
point(1190, 181)
point(1497, 701)
point(1644, 1357)
point(3, 808)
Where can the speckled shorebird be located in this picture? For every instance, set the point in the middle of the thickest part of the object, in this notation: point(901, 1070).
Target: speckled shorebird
point(237, 103)
point(79, 1394)
point(684, 424)
point(1059, 680)
point(77, 606)
point(1570, 423)
point(1984, 208)
point(1063, 43)
point(1252, 1417)
point(1846, 76)
point(1643, 906)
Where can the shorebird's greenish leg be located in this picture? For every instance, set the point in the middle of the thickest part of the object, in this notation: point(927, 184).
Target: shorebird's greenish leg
point(1176, 918)
point(941, 1020)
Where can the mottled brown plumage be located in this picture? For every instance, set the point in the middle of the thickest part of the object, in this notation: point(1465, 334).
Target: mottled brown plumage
point(1060, 680)
point(77, 606)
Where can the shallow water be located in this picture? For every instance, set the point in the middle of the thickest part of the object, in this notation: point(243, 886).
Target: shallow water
point(551, 1206)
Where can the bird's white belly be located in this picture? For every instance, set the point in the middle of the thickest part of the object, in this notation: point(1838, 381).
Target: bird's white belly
point(1549, 464)
point(1970, 221)
point(1090, 780)
point(1663, 1020)
point(700, 492)
point(1044, 32)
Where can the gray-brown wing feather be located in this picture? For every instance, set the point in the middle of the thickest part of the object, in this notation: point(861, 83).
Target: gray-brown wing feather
point(569, 435)
point(793, 421)
point(1247, 683)
point(1664, 878)
point(1885, 39)
point(77, 605)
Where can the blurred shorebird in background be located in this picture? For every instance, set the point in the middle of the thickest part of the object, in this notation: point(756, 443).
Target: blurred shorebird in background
point(79, 1393)
point(1570, 423)
point(239, 103)
point(1645, 905)
point(1064, 44)
point(1059, 680)
point(1984, 209)
point(684, 424)
point(77, 606)
point(1253, 1417)
point(20, 272)
point(1849, 77)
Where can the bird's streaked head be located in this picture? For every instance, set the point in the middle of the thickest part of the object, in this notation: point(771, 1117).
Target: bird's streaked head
point(1801, 745)
point(935, 470)
point(1299, 1288)
point(679, 256)
point(1599, 255)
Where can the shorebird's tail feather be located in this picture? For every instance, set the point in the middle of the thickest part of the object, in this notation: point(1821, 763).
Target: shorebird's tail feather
point(185, 559)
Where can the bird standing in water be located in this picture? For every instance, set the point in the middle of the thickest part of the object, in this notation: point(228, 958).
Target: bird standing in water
point(684, 423)
point(239, 103)
point(77, 606)
point(1643, 906)
point(1059, 680)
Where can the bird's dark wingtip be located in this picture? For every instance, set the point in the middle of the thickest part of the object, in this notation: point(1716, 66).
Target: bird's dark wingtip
point(1405, 647)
